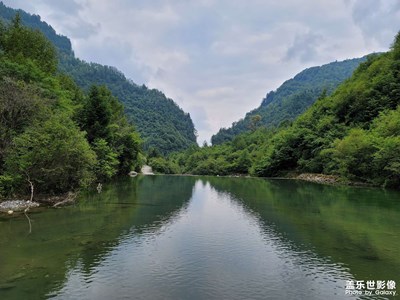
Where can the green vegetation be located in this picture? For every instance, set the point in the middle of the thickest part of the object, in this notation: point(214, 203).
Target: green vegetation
point(235, 157)
point(292, 98)
point(161, 123)
point(354, 133)
point(61, 137)
point(159, 120)
point(53, 135)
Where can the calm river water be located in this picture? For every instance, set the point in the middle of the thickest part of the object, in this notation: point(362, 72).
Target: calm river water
point(175, 237)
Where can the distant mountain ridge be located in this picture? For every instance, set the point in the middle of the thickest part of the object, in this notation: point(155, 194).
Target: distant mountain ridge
point(34, 21)
point(162, 124)
point(352, 135)
point(293, 97)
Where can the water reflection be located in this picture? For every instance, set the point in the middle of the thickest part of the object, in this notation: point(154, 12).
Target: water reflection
point(83, 235)
point(356, 228)
point(167, 237)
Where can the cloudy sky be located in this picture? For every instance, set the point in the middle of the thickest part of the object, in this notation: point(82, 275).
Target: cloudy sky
point(218, 58)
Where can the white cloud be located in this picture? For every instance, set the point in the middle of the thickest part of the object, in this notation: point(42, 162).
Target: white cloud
point(378, 20)
point(218, 92)
point(218, 59)
point(305, 47)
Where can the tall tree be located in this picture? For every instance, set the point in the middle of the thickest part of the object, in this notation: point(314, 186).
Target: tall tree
point(97, 114)
point(23, 44)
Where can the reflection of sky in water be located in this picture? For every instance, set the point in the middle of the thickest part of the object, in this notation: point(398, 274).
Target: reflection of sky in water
point(212, 249)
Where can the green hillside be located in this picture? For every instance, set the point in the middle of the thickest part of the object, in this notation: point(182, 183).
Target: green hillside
point(353, 133)
point(161, 123)
point(54, 137)
point(292, 98)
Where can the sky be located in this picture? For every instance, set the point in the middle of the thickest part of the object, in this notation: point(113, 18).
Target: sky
point(217, 59)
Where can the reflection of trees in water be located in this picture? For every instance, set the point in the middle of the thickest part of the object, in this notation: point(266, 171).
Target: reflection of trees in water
point(83, 235)
point(138, 206)
point(354, 226)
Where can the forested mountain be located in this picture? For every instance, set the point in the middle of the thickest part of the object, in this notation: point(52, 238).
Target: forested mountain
point(353, 133)
point(55, 137)
point(292, 98)
point(161, 123)
point(61, 42)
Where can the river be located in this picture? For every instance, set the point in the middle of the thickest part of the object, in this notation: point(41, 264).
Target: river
point(176, 237)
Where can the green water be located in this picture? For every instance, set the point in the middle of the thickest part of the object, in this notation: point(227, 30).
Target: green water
point(170, 237)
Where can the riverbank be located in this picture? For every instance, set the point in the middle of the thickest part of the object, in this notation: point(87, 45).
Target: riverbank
point(16, 205)
point(320, 178)
point(327, 179)
point(309, 177)
point(12, 206)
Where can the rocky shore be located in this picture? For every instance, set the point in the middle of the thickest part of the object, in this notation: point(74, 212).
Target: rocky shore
point(329, 179)
point(12, 206)
point(320, 178)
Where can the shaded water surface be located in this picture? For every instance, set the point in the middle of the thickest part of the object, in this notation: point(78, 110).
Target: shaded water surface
point(170, 237)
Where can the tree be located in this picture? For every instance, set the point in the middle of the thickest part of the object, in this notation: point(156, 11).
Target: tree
point(107, 160)
point(127, 144)
point(254, 122)
point(97, 114)
point(18, 107)
point(23, 44)
point(244, 162)
point(54, 155)
point(355, 154)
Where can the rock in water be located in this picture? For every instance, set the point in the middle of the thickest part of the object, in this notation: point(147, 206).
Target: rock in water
point(16, 205)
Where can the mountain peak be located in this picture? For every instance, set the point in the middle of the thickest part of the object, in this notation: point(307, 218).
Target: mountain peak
point(293, 97)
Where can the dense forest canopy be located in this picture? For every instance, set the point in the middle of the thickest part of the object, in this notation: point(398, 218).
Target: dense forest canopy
point(292, 98)
point(53, 135)
point(163, 125)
